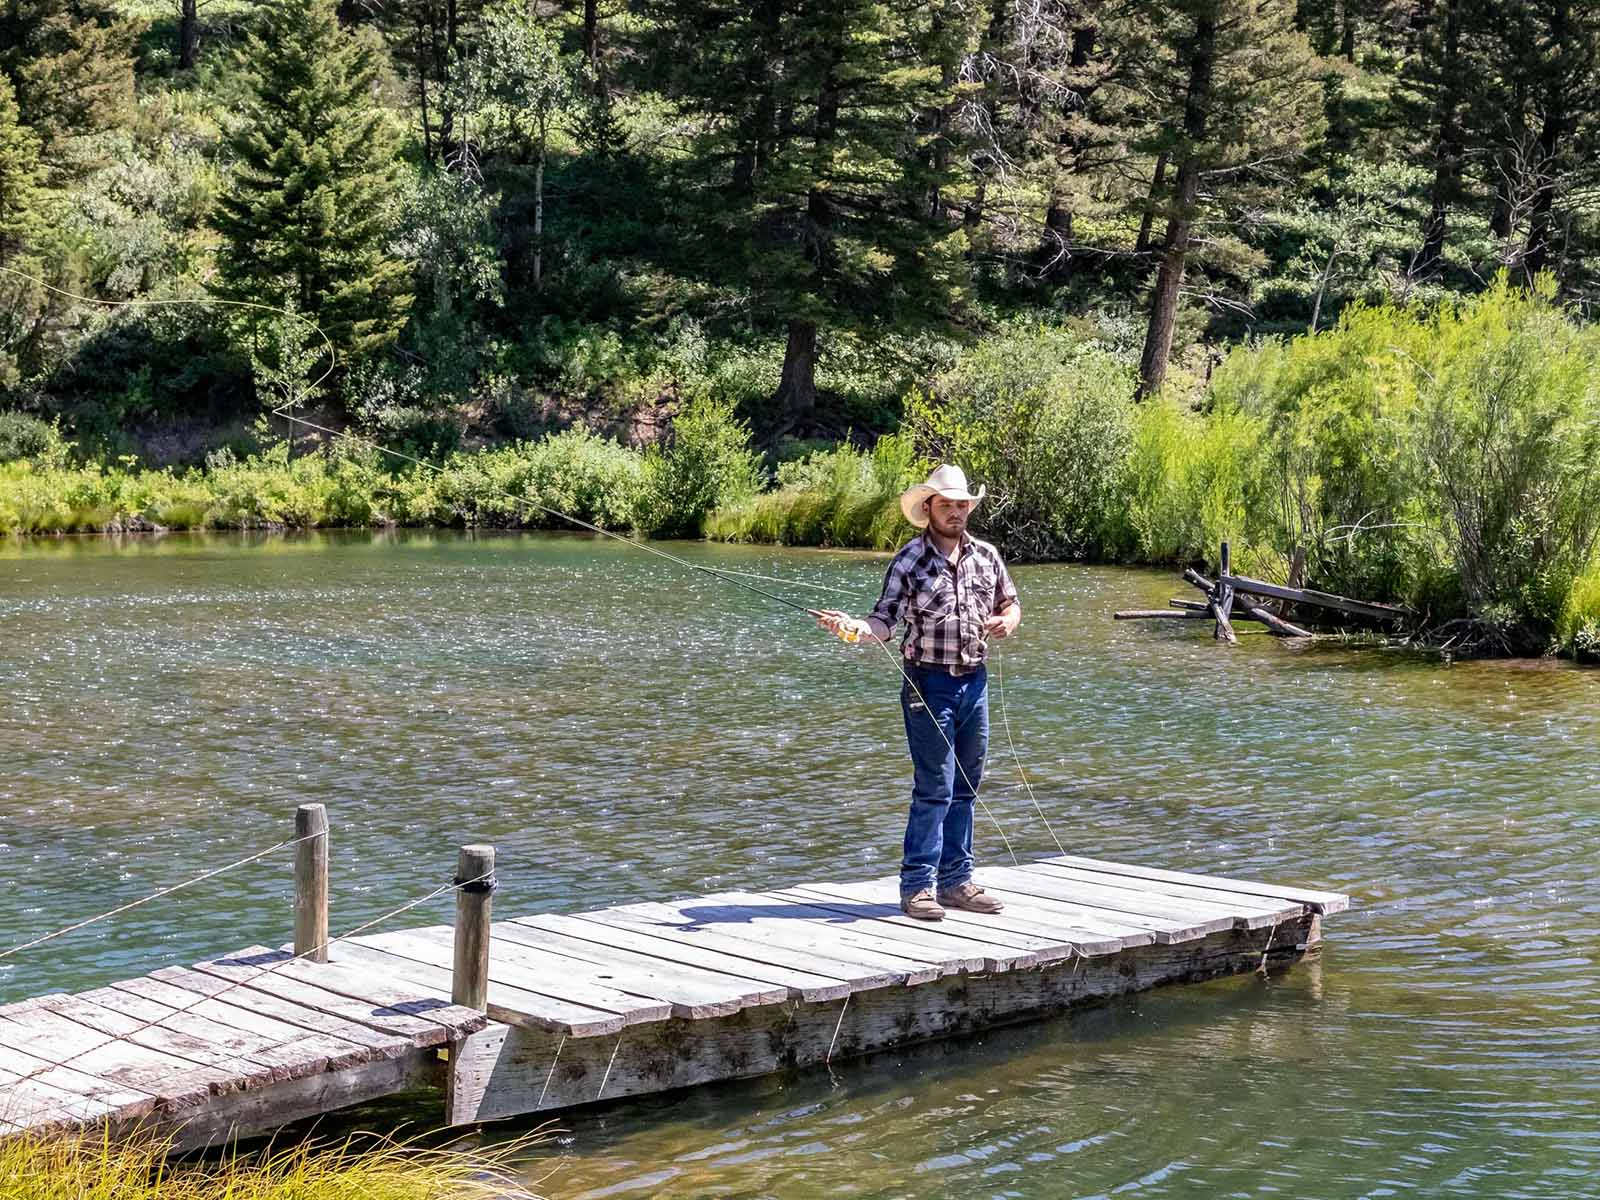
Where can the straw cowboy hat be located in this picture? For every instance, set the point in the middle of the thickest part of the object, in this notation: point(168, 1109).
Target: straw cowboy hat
point(947, 481)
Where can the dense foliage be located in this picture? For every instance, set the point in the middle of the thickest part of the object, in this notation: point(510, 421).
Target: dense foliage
point(722, 245)
point(481, 200)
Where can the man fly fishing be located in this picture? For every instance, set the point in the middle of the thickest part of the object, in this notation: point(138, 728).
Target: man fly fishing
point(954, 594)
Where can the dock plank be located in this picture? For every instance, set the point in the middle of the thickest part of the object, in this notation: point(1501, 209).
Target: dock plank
point(801, 985)
point(368, 998)
point(1320, 901)
point(695, 992)
point(34, 1102)
point(510, 1005)
point(191, 1042)
point(1029, 949)
point(38, 1093)
point(172, 984)
point(290, 1053)
point(745, 914)
point(267, 1031)
point(546, 976)
point(527, 968)
point(861, 976)
point(1053, 925)
point(52, 1038)
point(962, 949)
point(1174, 923)
point(1250, 912)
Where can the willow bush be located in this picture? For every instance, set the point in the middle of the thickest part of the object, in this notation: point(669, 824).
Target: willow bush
point(1045, 420)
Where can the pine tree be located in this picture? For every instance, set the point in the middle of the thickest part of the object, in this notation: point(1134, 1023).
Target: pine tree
point(71, 62)
point(19, 175)
point(1240, 88)
point(1564, 85)
point(305, 216)
point(823, 150)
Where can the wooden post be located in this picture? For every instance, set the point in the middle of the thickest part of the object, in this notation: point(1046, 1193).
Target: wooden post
point(311, 883)
point(1222, 599)
point(469, 983)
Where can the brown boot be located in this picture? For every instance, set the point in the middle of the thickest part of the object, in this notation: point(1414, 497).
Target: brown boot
point(972, 898)
point(922, 906)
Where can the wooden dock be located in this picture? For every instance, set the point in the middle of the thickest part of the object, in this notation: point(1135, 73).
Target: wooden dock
point(616, 1002)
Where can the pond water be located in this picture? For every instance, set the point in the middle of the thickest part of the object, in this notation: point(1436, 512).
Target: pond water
point(622, 729)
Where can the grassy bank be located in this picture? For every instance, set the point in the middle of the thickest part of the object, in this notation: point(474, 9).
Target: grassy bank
point(1445, 458)
point(95, 1167)
point(666, 490)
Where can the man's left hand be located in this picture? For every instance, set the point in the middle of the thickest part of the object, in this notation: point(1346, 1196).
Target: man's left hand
point(1002, 625)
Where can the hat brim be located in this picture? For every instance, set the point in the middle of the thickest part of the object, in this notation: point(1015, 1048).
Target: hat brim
point(913, 499)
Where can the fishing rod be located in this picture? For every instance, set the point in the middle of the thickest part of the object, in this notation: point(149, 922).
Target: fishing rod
point(288, 416)
point(847, 635)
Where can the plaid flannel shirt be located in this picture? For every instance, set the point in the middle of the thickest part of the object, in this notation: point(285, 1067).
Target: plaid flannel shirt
point(944, 606)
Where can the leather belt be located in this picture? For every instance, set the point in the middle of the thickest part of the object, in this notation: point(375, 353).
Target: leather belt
point(955, 669)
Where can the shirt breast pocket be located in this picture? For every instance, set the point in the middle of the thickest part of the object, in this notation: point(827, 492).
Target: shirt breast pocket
point(984, 584)
point(934, 598)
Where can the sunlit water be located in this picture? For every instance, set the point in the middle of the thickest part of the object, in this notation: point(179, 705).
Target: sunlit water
point(622, 730)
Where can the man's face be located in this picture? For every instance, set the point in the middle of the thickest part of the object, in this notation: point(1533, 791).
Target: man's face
point(948, 518)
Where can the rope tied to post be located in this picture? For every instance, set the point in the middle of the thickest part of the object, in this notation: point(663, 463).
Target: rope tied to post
point(156, 895)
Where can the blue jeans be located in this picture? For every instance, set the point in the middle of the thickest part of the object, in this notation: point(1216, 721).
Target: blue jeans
point(938, 847)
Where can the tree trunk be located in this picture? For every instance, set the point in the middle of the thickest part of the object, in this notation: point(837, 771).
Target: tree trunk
point(1055, 248)
point(1501, 218)
point(1347, 30)
point(1180, 227)
point(422, 107)
point(591, 36)
point(1536, 251)
point(797, 389)
point(1141, 245)
point(1536, 255)
point(538, 214)
point(188, 33)
point(1169, 282)
point(1446, 149)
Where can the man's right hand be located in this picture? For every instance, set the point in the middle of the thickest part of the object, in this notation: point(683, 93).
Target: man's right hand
point(841, 624)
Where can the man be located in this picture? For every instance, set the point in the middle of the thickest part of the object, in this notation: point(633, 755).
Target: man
point(954, 594)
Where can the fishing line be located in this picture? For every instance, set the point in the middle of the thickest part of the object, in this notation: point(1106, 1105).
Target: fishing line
point(282, 411)
point(733, 577)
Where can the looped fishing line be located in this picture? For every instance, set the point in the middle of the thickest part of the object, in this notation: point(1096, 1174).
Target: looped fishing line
point(730, 576)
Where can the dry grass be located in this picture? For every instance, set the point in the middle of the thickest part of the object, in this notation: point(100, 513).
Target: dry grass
point(97, 1166)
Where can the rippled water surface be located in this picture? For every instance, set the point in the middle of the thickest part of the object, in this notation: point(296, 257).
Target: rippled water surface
point(621, 729)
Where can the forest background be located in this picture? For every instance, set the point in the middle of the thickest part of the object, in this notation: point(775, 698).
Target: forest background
point(1315, 276)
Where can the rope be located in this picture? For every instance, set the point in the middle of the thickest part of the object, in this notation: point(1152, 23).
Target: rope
point(551, 1074)
point(1005, 721)
point(843, 1008)
point(166, 891)
point(268, 970)
point(609, 1065)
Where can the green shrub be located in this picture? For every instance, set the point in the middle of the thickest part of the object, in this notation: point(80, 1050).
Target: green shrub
point(1046, 423)
point(1337, 476)
point(24, 436)
point(839, 496)
point(707, 462)
point(1188, 482)
point(1509, 432)
point(1578, 628)
point(573, 472)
